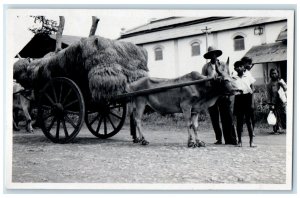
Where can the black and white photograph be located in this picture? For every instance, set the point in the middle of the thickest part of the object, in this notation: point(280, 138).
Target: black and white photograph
point(151, 99)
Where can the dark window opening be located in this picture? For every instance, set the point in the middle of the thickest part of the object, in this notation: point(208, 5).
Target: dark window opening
point(195, 49)
point(158, 54)
point(239, 43)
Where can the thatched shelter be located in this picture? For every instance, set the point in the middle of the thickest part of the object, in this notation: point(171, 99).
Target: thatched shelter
point(100, 67)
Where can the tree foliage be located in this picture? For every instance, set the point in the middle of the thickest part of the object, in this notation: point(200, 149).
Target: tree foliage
point(45, 26)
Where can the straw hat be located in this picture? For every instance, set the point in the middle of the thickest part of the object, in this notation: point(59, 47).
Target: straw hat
point(211, 50)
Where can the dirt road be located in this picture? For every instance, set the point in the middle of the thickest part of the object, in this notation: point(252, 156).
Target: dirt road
point(165, 160)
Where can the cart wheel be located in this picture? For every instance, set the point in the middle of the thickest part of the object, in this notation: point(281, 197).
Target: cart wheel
point(107, 120)
point(61, 110)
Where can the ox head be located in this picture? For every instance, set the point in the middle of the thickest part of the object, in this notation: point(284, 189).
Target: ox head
point(226, 84)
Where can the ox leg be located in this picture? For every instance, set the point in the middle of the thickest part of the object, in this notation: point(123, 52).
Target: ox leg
point(194, 126)
point(28, 119)
point(15, 120)
point(138, 113)
point(186, 110)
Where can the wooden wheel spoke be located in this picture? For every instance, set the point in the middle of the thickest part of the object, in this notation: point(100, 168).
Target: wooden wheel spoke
point(99, 124)
point(69, 121)
point(57, 129)
point(71, 103)
point(65, 128)
point(111, 122)
point(54, 92)
point(50, 99)
point(115, 115)
point(51, 124)
point(60, 93)
point(65, 98)
point(95, 118)
point(105, 126)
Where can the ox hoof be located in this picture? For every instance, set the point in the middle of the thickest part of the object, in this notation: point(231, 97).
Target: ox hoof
point(200, 144)
point(191, 144)
point(29, 130)
point(144, 142)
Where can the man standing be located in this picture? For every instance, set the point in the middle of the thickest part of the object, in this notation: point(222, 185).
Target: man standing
point(224, 105)
point(248, 66)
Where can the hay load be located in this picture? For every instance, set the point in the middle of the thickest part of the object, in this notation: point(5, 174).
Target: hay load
point(101, 65)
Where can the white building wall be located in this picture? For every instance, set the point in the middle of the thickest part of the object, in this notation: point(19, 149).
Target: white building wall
point(177, 59)
point(226, 44)
point(187, 62)
point(272, 31)
point(162, 68)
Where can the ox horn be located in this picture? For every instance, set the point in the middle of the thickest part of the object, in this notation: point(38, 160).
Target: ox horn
point(18, 55)
point(227, 62)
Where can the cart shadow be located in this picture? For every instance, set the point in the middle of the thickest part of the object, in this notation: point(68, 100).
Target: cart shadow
point(92, 140)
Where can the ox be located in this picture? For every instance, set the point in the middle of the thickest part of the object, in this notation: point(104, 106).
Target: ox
point(189, 100)
point(21, 101)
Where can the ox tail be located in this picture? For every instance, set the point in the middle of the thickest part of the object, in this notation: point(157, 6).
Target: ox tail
point(131, 106)
point(131, 103)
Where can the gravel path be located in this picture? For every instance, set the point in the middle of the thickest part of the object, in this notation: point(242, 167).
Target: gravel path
point(165, 160)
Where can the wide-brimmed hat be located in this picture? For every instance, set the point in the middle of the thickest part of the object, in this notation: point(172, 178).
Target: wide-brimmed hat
point(210, 51)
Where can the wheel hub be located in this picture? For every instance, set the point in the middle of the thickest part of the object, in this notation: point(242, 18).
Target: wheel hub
point(58, 110)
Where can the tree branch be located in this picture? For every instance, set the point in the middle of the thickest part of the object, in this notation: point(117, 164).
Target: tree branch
point(95, 21)
point(59, 33)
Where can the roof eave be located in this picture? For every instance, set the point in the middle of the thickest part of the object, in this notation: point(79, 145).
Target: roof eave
point(124, 35)
point(178, 37)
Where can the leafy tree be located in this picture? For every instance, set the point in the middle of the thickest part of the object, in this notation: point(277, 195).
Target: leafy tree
point(47, 26)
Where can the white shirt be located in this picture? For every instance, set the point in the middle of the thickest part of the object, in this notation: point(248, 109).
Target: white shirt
point(249, 76)
point(243, 83)
point(213, 66)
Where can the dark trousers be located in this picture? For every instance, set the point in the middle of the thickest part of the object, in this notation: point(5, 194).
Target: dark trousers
point(223, 109)
point(239, 125)
point(280, 113)
point(243, 111)
point(252, 112)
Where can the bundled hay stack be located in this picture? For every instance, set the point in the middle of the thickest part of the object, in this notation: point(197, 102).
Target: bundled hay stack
point(104, 66)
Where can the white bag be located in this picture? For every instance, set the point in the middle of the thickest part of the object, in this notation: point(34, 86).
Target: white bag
point(271, 118)
point(282, 95)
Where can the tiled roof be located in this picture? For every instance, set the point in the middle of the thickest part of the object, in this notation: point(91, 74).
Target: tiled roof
point(272, 52)
point(162, 23)
point(283, 34)
point(42, 44)
point(196, 29)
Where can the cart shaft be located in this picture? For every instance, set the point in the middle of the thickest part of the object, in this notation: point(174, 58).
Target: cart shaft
point(160, 89)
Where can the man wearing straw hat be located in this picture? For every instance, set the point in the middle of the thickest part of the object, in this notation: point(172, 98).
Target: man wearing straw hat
point(223, 106)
